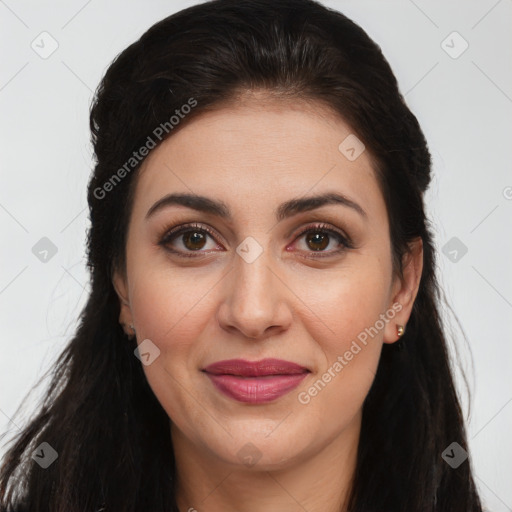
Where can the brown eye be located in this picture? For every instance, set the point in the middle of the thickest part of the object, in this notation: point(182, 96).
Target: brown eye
point(193, 240)
point(188, 240)
point(317, 240)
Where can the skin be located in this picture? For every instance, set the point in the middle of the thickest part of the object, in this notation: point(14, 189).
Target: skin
point(253, 155)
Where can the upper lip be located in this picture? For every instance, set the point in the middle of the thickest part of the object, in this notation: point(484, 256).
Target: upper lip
point(260, 368)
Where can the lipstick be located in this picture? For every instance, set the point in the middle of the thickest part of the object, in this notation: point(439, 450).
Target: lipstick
point(255, 382)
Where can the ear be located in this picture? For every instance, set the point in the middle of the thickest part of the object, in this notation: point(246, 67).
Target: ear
point(125, 313)
point(405, 290)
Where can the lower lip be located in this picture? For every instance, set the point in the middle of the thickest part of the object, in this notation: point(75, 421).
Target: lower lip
point(256, 390)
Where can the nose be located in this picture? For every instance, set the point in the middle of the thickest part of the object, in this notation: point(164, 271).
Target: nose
point(256, 301)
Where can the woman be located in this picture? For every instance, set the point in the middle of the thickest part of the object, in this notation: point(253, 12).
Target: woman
point(263, 330)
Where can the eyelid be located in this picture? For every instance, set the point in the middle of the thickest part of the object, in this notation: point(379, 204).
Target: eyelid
point(174, 232)
point(183, 228)
point(323, 227)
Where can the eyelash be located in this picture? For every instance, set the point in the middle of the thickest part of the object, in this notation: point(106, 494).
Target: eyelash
point(315, 228)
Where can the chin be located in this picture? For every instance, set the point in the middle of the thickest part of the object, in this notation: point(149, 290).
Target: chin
point(259, 452)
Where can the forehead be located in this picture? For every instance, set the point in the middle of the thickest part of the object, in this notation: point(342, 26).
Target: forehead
point(255, 153)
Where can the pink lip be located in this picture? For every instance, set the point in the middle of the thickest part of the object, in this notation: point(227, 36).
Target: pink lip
point(255, 382)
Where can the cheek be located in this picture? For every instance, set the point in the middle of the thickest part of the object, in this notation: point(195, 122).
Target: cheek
point(171, 305)
point(351, 305)
point(347, 303)
point(171, 310)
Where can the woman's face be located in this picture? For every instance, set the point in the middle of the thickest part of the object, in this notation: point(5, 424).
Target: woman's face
point(255, 286)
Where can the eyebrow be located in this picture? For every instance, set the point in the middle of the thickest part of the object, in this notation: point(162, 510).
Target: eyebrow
point(285, 210)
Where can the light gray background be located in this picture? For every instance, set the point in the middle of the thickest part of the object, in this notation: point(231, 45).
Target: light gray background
point(464, 105)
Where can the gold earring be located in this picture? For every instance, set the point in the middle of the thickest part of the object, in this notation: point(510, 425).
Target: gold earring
point(401, 330)
point(132, 327)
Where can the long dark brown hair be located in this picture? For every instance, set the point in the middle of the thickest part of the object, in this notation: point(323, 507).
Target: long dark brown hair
point(110, 432)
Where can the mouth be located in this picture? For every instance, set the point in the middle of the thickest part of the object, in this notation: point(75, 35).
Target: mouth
point(255, 382)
